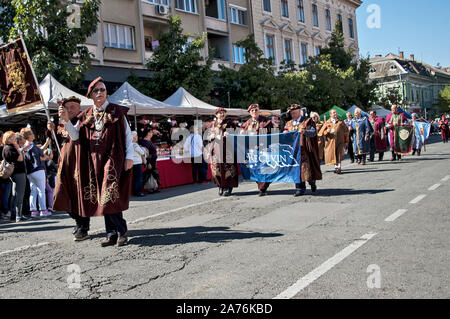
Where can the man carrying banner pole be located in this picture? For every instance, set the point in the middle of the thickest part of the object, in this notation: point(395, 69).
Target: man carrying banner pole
point(394, 120)
point(310, 160)
point(257, 125)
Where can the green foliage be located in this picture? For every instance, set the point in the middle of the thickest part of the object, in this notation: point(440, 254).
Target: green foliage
point(253, 82)
point(389, 97)
point(6, 19)
point(52, 51)
point(177, 62)
point(444, 99)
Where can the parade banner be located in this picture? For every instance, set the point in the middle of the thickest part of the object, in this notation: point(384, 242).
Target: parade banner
point(19, 88)
point(423, 130)
point(403, 139)
point(269, 158)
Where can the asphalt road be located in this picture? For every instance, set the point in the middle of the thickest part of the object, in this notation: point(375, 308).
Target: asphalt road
point(377, 231)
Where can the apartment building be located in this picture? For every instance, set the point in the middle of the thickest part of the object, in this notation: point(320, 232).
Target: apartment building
point(128, 32)
point(297, 29)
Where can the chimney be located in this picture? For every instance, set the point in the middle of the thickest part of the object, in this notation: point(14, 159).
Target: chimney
point(402, 55)
point(412, 57)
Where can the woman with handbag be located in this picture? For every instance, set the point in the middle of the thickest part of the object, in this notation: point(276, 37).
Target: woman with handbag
point(5, 184)
point(13, 154)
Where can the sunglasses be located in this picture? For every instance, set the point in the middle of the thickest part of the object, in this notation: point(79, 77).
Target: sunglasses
point(98, 90)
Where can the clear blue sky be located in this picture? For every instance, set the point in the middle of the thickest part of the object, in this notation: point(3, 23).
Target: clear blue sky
point(419, 27)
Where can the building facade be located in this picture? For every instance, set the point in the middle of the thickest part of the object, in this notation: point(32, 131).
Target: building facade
point(297, 29)
point(418, 83)
point(128, 31)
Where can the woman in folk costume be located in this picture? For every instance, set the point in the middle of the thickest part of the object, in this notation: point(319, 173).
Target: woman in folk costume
point(310, 161)
point(320, 141)
point(378, 141)
point(393, 120)
point(224, 167)
point(104, 162)
point(256, 125)
point(335, 134)
point(362, 131)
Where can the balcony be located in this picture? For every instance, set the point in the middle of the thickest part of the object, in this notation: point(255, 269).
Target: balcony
point(216, 17)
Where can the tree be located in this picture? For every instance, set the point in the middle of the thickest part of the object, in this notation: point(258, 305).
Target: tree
point(177, 62)
point(444, 99)
point(253, 82)
point(7, 13)
point(389, 97)
point(53, 45)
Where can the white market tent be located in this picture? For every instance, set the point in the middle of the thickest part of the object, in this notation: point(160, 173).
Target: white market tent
point(381, 111)
point(185, 99)
point(141, 104)
point(51, 91)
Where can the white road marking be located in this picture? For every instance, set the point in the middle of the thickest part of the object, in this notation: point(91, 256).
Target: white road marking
point(322, 269)
point(23, 248)
point(418, 199)
point(434, 187)
point(446, 178)
point(396, 215)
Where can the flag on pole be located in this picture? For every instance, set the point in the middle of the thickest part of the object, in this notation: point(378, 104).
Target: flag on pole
point(19, 88)
point(423, 130)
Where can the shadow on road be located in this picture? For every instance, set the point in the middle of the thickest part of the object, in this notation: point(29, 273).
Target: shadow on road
point(368, 170)
point(183, 235)
point(320, 192)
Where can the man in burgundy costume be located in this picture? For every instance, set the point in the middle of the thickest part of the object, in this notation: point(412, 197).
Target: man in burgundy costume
point(103, 160)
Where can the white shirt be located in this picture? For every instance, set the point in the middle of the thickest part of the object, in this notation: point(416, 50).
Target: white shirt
point(137, 154)
point(73, 132)
point(194, 143)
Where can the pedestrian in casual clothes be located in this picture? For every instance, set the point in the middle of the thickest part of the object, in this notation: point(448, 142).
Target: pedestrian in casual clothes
point(12, 153)
point(34, 160)
point(152, 157)
point(194, 147)
point(5, 184)
point(137, 166)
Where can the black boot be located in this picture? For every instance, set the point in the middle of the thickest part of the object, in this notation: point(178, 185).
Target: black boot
point(220, 191)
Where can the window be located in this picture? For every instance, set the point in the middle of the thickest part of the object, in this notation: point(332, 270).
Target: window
point(350, 28)
point(339, 16)
point(288, 50)
point(328, 19)
point(301, 11)
point(284, 8)
point(318, 48)
point(238, 16)
point(186, 5)
point(270, 48)
point(304, 53)
point(238, 55)
point(119, 36)
point(315, 15)
point(266, 6)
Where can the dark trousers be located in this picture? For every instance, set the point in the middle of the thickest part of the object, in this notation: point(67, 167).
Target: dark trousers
point(115, 225)
point(350, 150)
point(395, 156)
point(137, 179)
point(302, 185)
point(373, 150)
point(82, 222)
point(197, 175)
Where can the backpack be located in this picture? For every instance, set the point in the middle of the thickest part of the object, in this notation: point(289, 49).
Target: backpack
point(6, 169)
